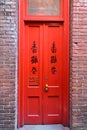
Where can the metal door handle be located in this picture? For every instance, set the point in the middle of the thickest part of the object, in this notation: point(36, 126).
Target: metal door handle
point(46, 88)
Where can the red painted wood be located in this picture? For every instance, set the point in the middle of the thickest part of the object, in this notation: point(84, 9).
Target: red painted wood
point(66, 89)
point(44, 18)
point(52, 108)
point(33, 80)
point(43, 107)
point(58, 93)
point(20, 66)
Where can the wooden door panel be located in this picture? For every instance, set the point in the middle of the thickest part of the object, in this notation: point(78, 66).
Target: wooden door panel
point(53, 75)
point(33, 109)
point(33, 88)
point(34, 55)
point(55, 54)
point(53, 110)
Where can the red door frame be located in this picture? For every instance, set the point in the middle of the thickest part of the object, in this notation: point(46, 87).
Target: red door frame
point(64, 18)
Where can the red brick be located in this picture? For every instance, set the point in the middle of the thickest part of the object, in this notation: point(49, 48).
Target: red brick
point(79, 65)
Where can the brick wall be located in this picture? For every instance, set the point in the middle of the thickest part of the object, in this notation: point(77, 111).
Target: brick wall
point(8, 49)
point(79, 65)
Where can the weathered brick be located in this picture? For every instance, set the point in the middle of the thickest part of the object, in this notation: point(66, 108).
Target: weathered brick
point(79, 65)
point(8, 49)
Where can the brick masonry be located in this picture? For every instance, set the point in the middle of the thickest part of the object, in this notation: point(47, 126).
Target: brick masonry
point(78, 68)
point(8, 64)
point(8, 59)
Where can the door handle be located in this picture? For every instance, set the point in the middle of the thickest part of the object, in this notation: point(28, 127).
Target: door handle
point(46, 88)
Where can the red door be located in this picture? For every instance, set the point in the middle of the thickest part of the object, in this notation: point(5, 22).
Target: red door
point(43, 87)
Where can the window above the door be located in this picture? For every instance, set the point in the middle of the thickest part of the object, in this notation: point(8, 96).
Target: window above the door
point(44, 7)
point(43, 10)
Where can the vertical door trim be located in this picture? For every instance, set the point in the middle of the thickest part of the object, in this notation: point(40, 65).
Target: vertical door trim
point(66, 66)
point(20, 65)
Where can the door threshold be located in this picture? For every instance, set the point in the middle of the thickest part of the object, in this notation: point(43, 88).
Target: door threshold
point(44, 127)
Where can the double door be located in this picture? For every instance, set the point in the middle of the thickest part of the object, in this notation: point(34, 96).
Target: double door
point(43, 89)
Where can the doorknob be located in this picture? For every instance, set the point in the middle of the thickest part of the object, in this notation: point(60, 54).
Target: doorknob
point(46, 88)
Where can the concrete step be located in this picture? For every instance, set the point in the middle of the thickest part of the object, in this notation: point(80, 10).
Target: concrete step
point(44, 127)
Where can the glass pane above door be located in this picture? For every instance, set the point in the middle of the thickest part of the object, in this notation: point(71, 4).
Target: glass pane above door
point(44, 7)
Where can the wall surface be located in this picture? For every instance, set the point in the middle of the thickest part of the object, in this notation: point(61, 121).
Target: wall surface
point(8, 56)
point(78, 67)
point(8, 64)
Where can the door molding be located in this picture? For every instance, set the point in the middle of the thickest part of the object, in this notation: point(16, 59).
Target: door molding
point(21, 46)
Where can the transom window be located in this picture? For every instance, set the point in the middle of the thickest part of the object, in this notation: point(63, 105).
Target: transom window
point(44, 7)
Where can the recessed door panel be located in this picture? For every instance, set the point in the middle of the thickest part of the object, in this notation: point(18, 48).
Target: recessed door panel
point(43, 81)
point(34, 55)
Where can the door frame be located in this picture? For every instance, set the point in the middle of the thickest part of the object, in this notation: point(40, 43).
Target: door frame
point(65, 20)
